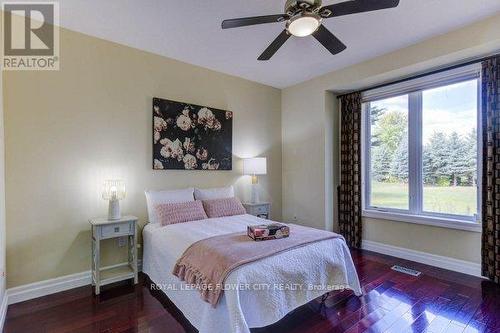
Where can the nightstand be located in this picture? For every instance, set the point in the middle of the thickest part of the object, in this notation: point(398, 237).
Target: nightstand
point(260, 209)
point(102, 228)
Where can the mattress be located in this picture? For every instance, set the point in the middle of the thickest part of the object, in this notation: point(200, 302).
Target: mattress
point(259, 293)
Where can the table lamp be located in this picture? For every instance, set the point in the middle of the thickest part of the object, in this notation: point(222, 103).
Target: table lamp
point(254, 167)
point(114, 191)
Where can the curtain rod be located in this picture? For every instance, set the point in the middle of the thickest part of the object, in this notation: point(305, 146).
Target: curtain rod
point(463, 64)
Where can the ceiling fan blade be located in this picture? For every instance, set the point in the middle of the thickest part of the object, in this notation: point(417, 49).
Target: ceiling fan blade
point(328, 40)
point(356, 6)
point(275, 45)
point(245, 21)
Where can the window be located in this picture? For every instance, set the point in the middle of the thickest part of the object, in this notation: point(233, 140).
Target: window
point(389, 153)
point(421, 149)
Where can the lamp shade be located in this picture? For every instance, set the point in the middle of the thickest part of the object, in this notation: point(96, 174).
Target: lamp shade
point(255, 166)
point(113, 190)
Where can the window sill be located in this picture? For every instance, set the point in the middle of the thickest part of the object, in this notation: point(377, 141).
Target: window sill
point(426, 220)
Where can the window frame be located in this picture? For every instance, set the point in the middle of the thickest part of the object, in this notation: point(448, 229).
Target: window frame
point(415, 212)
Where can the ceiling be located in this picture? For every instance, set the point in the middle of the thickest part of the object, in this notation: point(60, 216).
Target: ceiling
point(189, 30)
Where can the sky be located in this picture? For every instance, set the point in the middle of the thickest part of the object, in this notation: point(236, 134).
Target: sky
point(446, 109)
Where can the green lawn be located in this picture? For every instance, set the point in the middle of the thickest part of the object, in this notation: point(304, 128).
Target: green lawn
point(460, 200)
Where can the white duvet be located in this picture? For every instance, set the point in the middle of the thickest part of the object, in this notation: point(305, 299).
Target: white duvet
point(269, 288)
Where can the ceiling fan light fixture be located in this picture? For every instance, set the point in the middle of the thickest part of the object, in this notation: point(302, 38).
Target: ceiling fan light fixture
point(303, 25)
point(305, 17)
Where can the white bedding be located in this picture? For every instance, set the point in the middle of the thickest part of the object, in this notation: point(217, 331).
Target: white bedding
point(325, 263)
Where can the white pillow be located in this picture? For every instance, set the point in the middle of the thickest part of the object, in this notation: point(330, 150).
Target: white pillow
point(214, 193)
point(154, 198)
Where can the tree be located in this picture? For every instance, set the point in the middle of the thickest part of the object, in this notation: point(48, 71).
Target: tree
point(471, 157)
point(399, 164)
point(381, 162)
point(457, 164)
point(375, 114)
point(436, 155)
point(429, 177)
point(390, 129)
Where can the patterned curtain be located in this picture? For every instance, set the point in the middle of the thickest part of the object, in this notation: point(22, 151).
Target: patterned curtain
point(350, 170)
point(491, 169)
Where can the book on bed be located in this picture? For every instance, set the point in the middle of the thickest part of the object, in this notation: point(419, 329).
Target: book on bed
point(268, 231)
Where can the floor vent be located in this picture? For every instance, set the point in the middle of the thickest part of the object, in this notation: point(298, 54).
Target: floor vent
point(405, 270)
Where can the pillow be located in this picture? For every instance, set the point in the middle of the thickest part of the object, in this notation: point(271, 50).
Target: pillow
point(172, 213)
point(154, 198)
point(223, 207)
point(214, 193)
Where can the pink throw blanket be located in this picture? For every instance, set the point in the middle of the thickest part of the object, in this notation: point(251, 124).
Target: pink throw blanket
point(208, 262)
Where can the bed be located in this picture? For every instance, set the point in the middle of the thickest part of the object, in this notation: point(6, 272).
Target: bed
point(269, 288)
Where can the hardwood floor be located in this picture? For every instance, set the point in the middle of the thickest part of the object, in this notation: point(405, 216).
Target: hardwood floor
point(436, 301)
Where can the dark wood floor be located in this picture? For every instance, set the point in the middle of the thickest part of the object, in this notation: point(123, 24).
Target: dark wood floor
point(437, 301)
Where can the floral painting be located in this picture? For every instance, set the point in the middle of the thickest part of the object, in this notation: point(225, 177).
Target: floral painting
point(191, 137)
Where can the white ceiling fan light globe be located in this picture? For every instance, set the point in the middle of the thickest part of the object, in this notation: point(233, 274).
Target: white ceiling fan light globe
point(304, 25)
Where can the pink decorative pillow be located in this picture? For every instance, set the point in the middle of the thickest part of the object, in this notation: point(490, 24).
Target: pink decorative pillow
point(173, 213)
point(223, 207)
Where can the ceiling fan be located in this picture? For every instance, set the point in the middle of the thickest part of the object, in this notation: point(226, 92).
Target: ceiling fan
point(304, 18)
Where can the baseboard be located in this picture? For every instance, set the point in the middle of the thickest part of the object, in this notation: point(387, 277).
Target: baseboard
point(3, 311)
point(452, 264)
point(51, 286)
point(47, 287)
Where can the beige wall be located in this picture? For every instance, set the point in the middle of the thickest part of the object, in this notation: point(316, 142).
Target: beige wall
point(2, 197)
point(67, 131)
point(306, 122)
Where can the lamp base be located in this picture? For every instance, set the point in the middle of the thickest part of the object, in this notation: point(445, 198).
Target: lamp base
point(114, 210)
point(255, 190)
